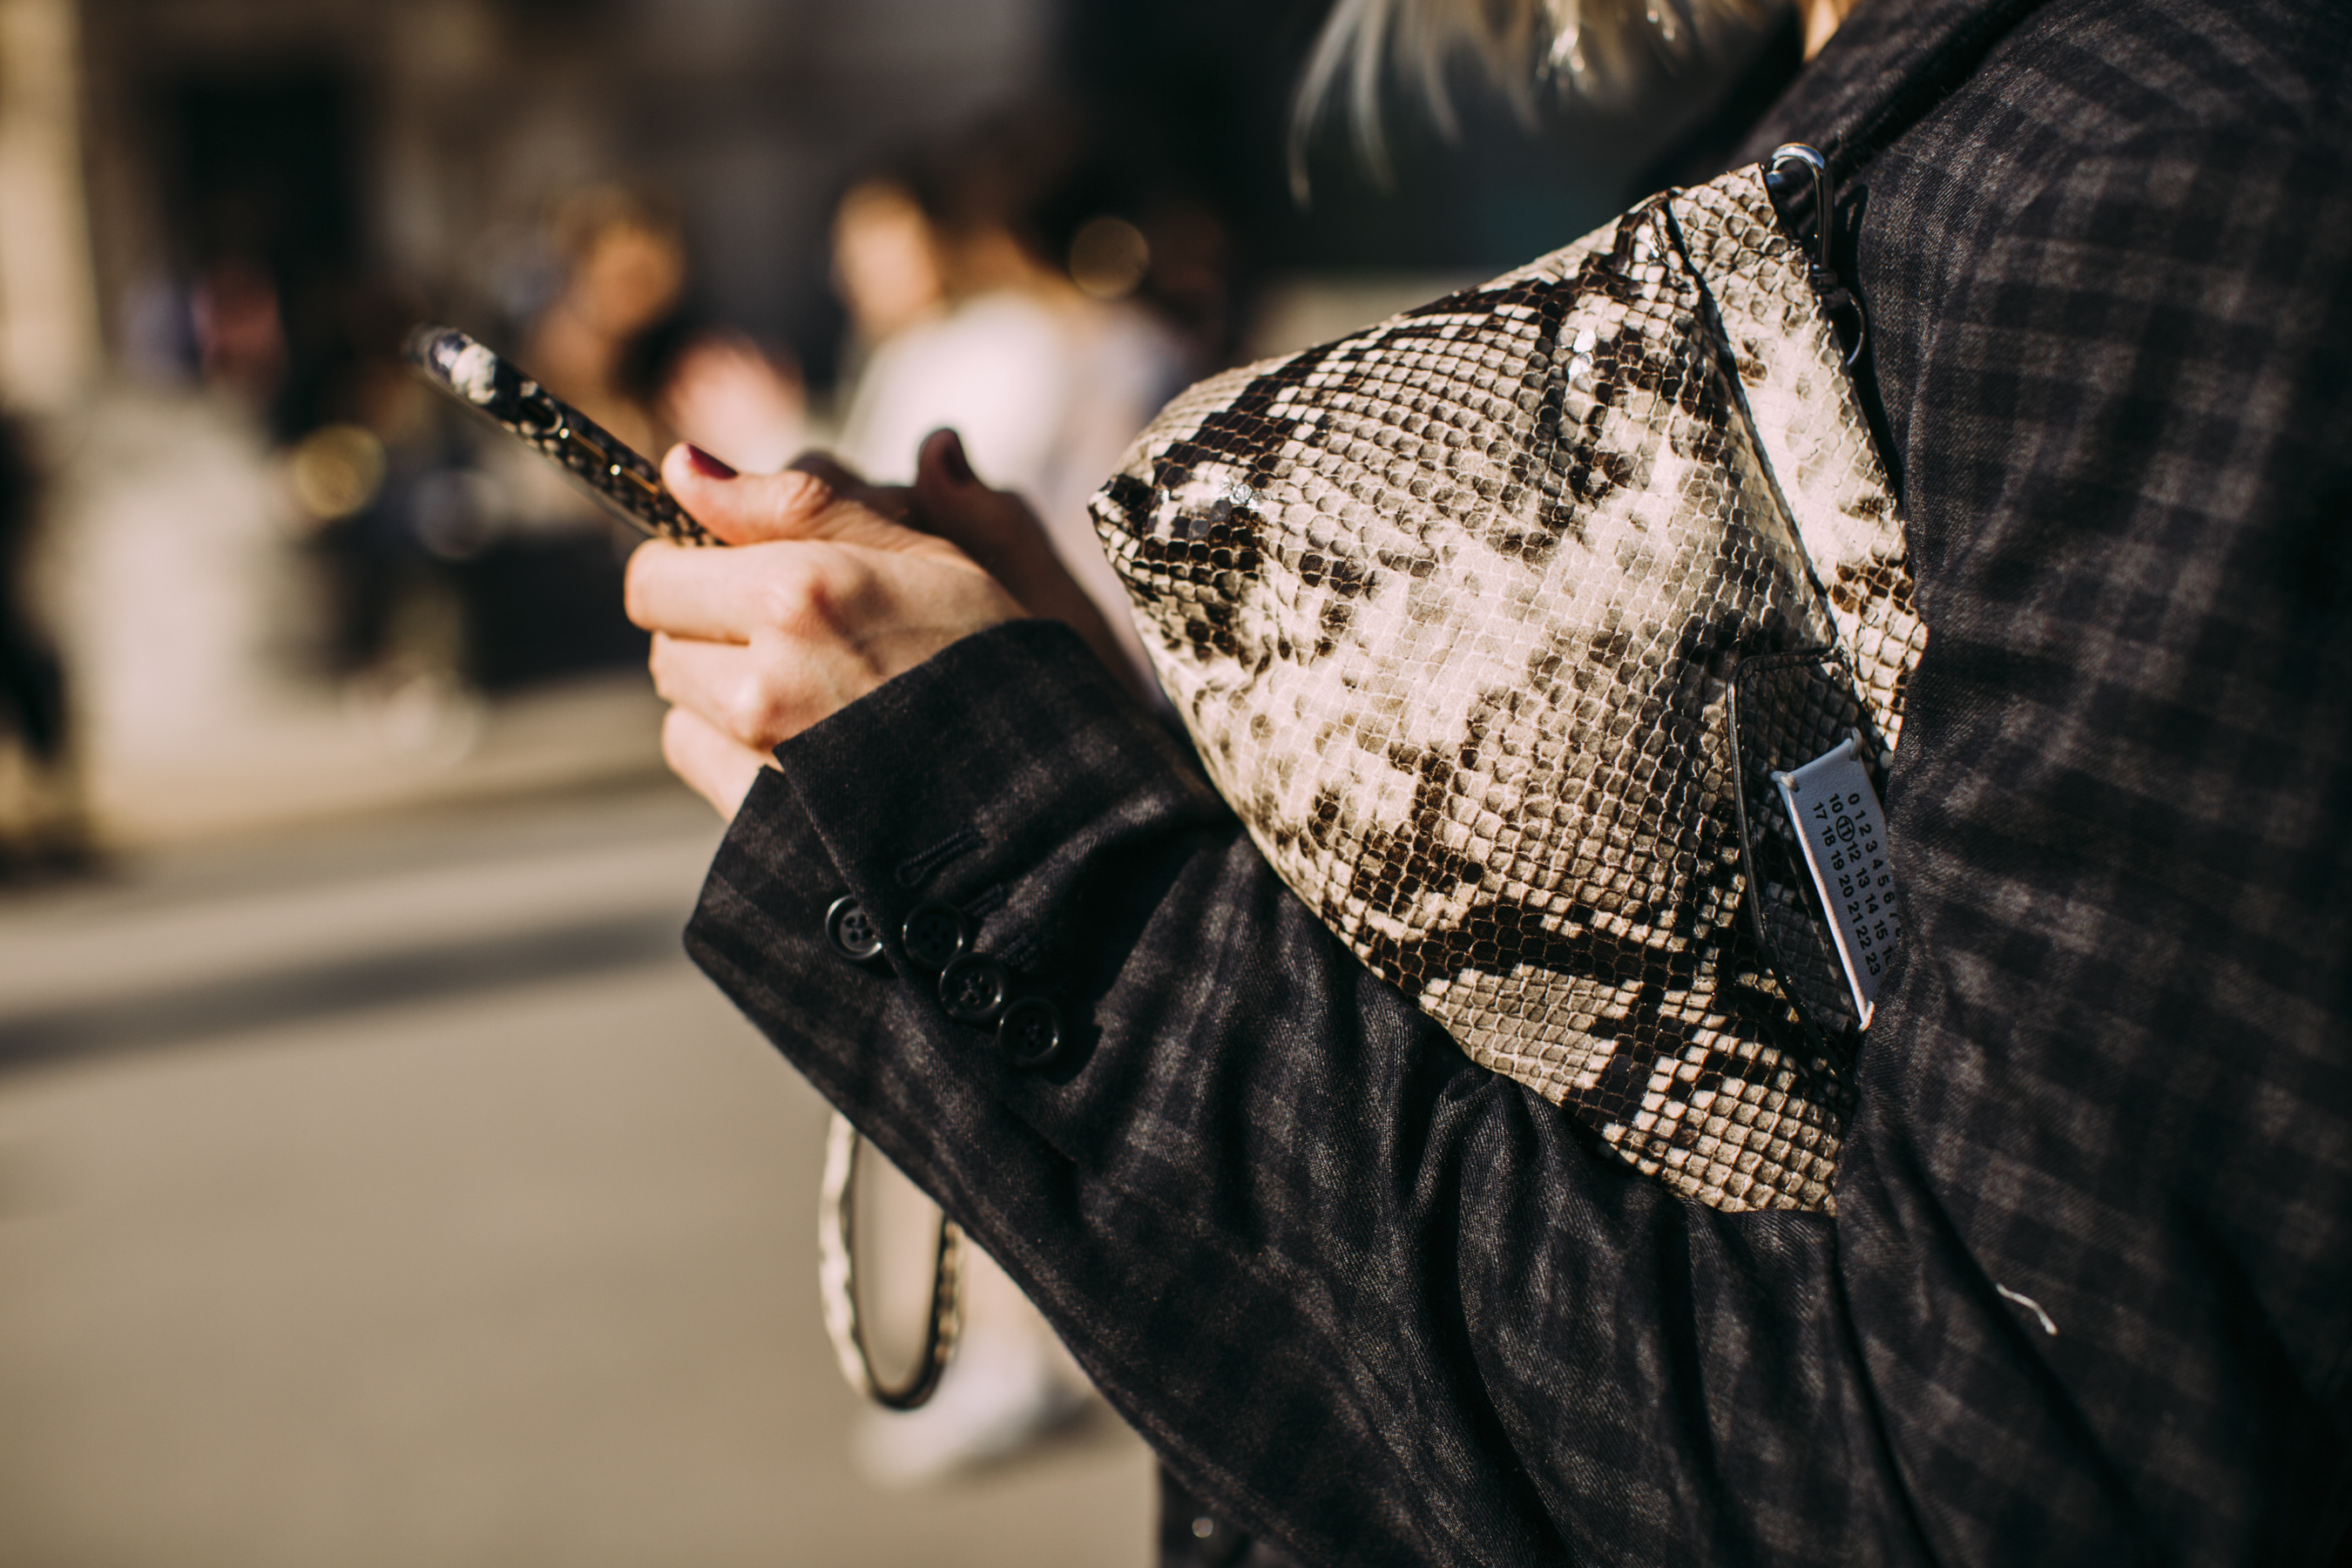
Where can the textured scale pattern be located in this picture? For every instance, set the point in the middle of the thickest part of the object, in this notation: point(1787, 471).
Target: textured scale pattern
point(1453, 608)
point(604, 465)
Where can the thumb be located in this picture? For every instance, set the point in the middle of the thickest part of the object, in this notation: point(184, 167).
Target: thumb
point(812, 500)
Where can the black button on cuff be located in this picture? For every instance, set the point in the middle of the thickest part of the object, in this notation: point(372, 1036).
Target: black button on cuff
point(974, 990)
point(852, 930)
point(1030, 1033)
point(936, 935)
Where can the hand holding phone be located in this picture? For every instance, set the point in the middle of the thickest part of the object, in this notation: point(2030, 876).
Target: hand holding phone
point(839, 586)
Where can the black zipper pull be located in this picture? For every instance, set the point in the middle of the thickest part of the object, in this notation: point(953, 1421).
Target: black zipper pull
point(1837, 301)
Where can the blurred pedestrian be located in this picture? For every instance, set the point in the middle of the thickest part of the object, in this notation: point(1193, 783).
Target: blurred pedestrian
point(957, 277)
point(618, 343)
point(625, 275)
point(240, 331)
point(43, 829)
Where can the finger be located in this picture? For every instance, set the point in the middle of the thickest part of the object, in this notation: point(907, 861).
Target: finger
point(759, 696)
point(743, 508)
point(952, 504)
point(689, 591)
point(814, 498)
point(729, 596)
point(998, 530)
point(711, 763)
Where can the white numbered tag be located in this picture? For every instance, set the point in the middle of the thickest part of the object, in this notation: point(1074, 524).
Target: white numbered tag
point(1838, 821)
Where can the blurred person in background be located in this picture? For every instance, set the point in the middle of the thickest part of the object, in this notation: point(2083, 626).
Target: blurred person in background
point(618, 343)
point(41, 825)
point(891, 279)
point(985, 299)
point(599, 344)
point(240, 333)
point(380, 482)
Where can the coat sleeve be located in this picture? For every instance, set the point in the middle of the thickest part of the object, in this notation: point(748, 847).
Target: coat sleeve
point(1374, 1302)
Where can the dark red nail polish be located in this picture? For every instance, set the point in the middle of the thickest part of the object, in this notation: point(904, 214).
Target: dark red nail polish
point(709, 467)
point(952, 458)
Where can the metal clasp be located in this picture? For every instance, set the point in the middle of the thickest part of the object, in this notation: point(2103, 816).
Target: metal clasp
point(1837, 300)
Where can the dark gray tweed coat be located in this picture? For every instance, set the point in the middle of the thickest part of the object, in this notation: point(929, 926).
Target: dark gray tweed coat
point(2087, 1295)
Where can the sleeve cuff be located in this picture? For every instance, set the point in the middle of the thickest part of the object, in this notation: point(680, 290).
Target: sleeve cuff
point(994, 779)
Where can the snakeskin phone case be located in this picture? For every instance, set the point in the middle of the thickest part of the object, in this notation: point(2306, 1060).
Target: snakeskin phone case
point(624, 481)
point(1495, 623)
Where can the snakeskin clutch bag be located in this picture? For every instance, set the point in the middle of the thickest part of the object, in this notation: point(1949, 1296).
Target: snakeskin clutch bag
point(1509, 626)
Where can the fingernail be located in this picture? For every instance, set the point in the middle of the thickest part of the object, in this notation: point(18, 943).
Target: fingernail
point(952, 458)
point(709, 467)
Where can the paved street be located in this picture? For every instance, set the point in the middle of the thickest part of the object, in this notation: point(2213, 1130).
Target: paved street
point(400, 1196)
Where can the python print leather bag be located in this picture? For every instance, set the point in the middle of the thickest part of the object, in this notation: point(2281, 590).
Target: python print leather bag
point(1517, 627)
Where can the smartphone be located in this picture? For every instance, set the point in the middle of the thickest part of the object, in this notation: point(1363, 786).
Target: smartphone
point(624, 481)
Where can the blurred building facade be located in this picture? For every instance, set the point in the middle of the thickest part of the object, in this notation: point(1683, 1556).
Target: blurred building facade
point(221, 213)
point(50, 342)
point(423, 141)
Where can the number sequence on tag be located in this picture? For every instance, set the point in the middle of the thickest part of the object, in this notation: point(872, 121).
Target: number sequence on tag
point(1836, 812)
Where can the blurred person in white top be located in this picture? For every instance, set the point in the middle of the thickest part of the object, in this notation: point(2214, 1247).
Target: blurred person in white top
point(969, 322)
